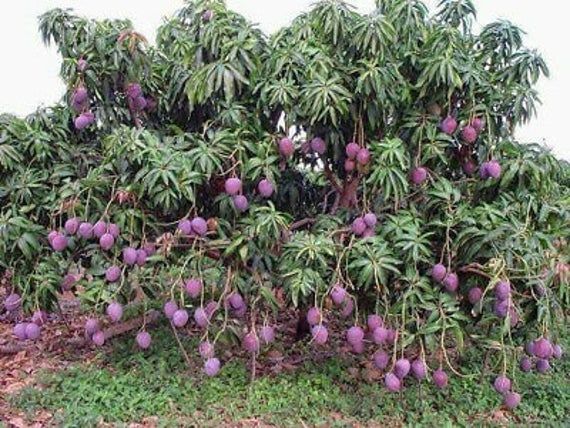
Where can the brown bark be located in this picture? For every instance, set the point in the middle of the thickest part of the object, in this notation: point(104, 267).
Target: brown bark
point(348, 195)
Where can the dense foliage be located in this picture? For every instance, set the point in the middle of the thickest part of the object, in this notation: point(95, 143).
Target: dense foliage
point(147, 137)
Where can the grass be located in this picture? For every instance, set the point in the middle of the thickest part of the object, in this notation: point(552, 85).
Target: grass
point(131, 385)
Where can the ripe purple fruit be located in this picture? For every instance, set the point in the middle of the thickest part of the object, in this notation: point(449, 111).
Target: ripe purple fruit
point(370, 219)
point(474, 295)
point(402, 368)
point(380, 335)
point(542, 348)
point(318, 145)
point(193, 287)
point(265, 188)
point(211, 308)
point(503, 290)
point(185, 226)
point(354, 335)
point(91, 327)
point(493, 169)
point(338, 294)
point(106, 241)
point(212, 367)
point(352, 150)
point(469, 167)
point(314, 316)
point(81, 122)
point(502, 384)
point(201, 318)
point(141, 257)
point(199, 226)
point(59, 242)
point(84, 120)
point(139, 103)
point(511, 400)
point(438, 272)
point(320, 334)
point(99, 229)
point(469, 134)
point(115, 311)
point(169, 308)
point(419, 175)
point(250, 342)
point(478, 124)
point(206, 349)
point(358, 226)
point(526, 364)
point(129, 256)
point(419, 369)
point(39, 317)
point(71, 226)
point(232, 186)
point(392, 382)
point(79, 107)
point(12, 302)
point(134, 90)
point(86, 230)
point(143, 340)
point(286, 147)
point(20, 331)
point(32, 331)
point(267, 334)
point(240, 203)
point(113, 273)
point(448, 125)
point(69, 281)
point(501, 308)
point(349, 165)
point(451, 282)
point(363, 156)
point(80, 95)
point(381, 359)
point(369, 232)
point(180, 318)
point(236, 301)
point(391, 336)
point(440, 378)
point(52, 235)
point(98, 338)
point(374, 321)
point(542, 365)
point(114, 230)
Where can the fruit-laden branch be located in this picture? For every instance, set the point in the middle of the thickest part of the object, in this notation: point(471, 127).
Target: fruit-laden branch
point(110, 332)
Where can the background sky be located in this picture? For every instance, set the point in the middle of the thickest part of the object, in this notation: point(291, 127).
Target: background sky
point(29, 71)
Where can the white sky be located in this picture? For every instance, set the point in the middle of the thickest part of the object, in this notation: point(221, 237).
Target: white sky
point(29, 72)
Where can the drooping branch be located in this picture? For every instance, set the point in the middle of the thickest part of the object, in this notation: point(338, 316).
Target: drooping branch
point(110, 332)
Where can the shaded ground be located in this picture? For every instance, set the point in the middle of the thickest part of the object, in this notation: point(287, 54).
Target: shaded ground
point(54, 383)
